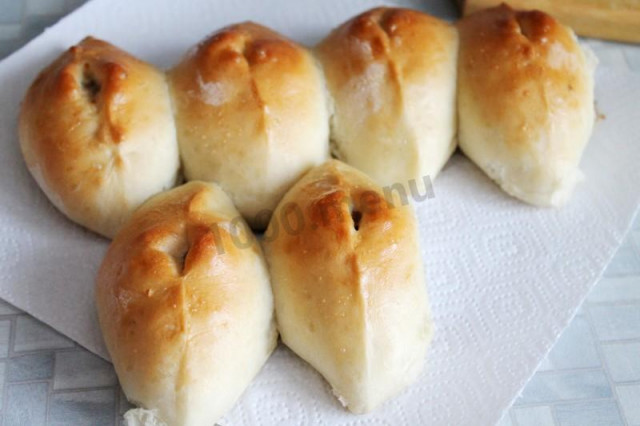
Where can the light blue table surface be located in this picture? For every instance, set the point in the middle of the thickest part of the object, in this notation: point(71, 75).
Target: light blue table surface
point(591, 377)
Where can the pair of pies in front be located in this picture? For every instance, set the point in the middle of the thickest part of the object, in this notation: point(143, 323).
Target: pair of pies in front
point(186, 306)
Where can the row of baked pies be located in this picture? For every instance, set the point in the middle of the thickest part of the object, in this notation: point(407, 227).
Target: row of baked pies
point(189, 306)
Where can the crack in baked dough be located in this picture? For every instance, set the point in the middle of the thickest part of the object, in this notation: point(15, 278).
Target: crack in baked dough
point(90, 84)
point(356, 217)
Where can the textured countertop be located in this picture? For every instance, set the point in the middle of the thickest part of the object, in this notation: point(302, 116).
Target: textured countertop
point(591, 376)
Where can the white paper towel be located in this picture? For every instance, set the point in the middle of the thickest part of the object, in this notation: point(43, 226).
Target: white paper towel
point(504, 278)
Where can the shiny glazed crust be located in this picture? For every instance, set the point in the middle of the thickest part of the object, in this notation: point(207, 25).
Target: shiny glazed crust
point(97, 134)
point(251, 114)
point(348, 284)
point(185, 305)
point(525, 102)
point(392, 76)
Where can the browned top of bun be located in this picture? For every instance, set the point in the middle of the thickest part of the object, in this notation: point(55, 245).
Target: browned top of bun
point(93, 76)
point(388, 35)
point(251, 115)
point(183, 283)
point(255, 64)
point(96, 132)
point(167, 256)
point(520, 61)
point(336, 208)
point(391, 73)
point(337, 212)
point(348, 283)
point(243, 45)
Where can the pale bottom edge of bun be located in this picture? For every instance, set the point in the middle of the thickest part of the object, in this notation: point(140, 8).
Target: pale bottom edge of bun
point(558, 198)
point(374, 397)
point(558, 195)
point(366, 407)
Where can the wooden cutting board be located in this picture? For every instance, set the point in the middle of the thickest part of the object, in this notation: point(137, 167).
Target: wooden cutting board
point(609, 19)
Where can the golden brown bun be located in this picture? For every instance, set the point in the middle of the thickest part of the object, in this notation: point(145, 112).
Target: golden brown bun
point(348, 284)
point(251, 115)
point(525, 102)
point(185, 305)
point(392, 75)
point(97, 134)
